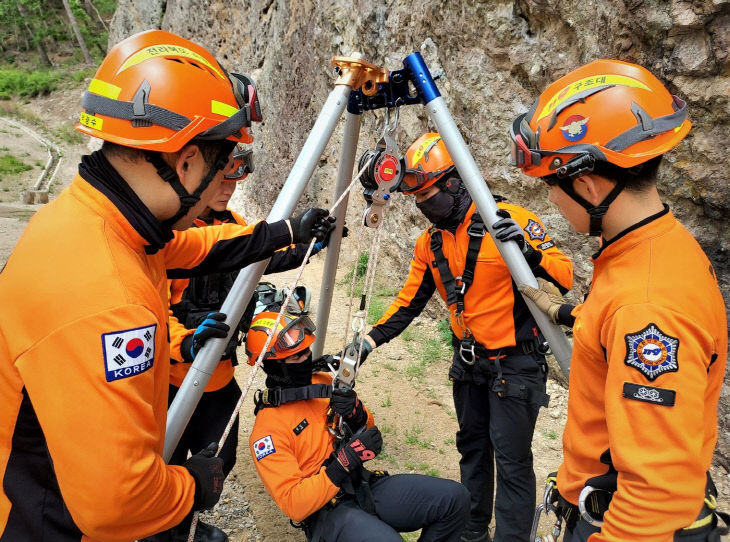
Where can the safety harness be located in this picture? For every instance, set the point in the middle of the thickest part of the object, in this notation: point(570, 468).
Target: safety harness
point(468, 349)
point(360, 491)
point(456, 287)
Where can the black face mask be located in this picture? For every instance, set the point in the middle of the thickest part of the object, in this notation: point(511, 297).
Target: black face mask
point(288, 375)
point(437, 207)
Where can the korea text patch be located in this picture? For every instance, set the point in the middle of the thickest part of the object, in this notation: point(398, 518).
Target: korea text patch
point(652, 352)
point(263, 447)
point(129, 352)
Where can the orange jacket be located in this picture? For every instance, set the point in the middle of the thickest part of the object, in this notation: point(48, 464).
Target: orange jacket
point(282, 260)
point(494, 311)
point(290, 464)
point(647, 368)
point(84, 369)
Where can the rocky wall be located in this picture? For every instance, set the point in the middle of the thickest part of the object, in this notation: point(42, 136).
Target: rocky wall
point(494, 59)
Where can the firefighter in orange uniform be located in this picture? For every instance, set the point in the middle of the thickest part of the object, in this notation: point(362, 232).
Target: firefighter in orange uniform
point(499, 367)
point(651, 337)
point(320, 481)
point(84, 353)
point(191, 302)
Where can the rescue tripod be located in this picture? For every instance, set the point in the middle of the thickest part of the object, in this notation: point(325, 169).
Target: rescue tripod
point(361, 86)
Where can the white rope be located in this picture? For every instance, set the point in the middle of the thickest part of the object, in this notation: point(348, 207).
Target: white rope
point(270, 334)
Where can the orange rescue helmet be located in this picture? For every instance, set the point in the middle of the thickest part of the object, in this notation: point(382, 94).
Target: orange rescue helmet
point(608, 111)
point(294, 334)
point(157, 91)
point(427, 161)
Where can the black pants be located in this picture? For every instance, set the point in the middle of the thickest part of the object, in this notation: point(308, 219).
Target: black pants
point(403, 503)
point(498, 429)
point(207, 424)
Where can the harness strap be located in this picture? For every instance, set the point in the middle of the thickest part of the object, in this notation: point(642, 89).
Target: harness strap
point(455, 292)
point(274, 397)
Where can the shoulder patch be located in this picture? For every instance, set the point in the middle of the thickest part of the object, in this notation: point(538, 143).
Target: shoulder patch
point(128, 352)
point(649, 394)
point(263, 447)
point(652, 352)
point(535, 230)
point(301, 427)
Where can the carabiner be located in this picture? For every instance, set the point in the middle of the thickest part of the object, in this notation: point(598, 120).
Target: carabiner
point(584, 513)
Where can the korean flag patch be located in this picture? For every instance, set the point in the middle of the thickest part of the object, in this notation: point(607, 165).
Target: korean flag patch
point(263, 447)
point(652, 352)
point(129, 352)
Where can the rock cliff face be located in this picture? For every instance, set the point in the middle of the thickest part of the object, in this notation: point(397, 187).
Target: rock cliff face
point(495, 57)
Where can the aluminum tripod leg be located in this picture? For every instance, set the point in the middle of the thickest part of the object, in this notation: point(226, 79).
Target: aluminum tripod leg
point(207, 359)
point(344, 177)
point(477, 187)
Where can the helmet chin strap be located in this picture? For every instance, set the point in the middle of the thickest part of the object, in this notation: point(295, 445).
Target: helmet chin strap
point(188, 200)
point(596, 212)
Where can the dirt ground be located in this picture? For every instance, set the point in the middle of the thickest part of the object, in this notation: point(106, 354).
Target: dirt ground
point(410, 398)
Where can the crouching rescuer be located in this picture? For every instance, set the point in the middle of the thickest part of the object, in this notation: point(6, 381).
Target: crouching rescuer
point(319, 480)
point(499, 368)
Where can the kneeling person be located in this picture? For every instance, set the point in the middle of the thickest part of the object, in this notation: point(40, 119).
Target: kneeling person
point(321, 481)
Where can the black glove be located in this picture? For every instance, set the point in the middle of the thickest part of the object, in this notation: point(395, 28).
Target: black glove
point(508, 229)
point(318, 246)
point(353, 348)
point(207, 471)
point(345, 402)
point(313, 223)
point(350, 457)
point(213, 326)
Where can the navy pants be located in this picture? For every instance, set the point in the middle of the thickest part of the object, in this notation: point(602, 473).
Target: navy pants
point(494, 429)
point(403, 503)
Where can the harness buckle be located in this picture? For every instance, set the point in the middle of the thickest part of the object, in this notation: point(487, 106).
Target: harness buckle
point(467, 352)
point(271, 396)
point(476, 229)
point(460, 285)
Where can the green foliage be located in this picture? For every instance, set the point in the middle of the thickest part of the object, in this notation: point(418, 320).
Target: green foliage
point(385, 403)
point(414, 438)
point(27, 84)
point(67, 133)
point(29, 25)
point(378, 305)
point(9, 164)
point(444, 329)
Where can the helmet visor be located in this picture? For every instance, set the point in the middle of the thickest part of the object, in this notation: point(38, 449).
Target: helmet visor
point(523, 142)
point(247, 97)
point(416, 179)
point(294, 332)
point(242, 164)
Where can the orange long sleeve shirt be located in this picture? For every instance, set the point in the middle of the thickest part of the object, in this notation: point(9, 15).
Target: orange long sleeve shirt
point(494, 311)
point(84, 369)
point(289, 462)
point(647, 368)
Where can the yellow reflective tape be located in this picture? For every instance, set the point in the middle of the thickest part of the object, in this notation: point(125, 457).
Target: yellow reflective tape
point(102, 88)
point(421, 150)
point(588, 83)
point(219, 108)
point(167, 50)
point(267, 323)
point(91, 121)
